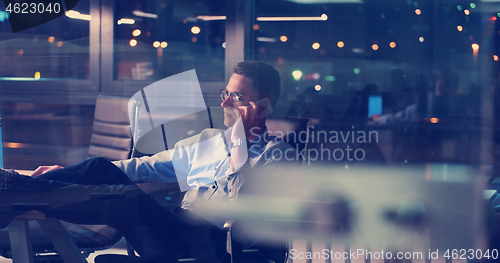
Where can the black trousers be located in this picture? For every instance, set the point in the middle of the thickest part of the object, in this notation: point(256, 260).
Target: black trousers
point(95, 191)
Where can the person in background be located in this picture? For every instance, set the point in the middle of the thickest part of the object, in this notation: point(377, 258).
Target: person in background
point(445, 86)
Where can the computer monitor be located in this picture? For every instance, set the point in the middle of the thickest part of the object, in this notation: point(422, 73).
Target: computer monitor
point(374, 105)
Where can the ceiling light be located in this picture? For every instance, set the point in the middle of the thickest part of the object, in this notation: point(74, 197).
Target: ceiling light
point(76, 15)
point(326, 1)
point(126, 21)
point(211, 18)
point(266, 39)
point(142, 14)
point(293, 18)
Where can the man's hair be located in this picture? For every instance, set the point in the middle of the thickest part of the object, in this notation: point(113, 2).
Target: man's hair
point(265, 78)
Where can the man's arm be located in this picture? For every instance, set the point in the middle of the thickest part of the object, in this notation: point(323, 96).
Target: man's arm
point(158, 167)
point(173, 165)
point(405, 115)
point(45, 169)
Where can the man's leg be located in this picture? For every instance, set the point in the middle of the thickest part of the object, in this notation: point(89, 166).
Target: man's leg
point(147, 234)
point(152, 230)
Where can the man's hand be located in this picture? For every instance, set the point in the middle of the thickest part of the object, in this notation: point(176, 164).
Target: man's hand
point(44, 169)
point(250, 116)
point(375, 117)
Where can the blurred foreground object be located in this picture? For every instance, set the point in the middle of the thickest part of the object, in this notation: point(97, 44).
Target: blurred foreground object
point(372, 206)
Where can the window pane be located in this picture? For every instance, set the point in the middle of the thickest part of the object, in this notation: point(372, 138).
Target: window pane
point(155, 39)
point(58, 49)
point(418, 61)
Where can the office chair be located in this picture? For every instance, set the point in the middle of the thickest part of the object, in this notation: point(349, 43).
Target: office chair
point(112, 139)
point(286, 128)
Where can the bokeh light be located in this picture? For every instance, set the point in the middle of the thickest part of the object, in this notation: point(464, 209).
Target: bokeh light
point(297, 74)
point(317, 87)
point(421, 39)
point(51, 39)
point(418, 12)
point(59, 44)
point(163, 44)
point(136, 33)
point(460, 28)
point(475, 47)
point(133, 42)
point(283, 38)
point(256, 27)
point(330, 78)
point(434, 120)
point(315, 45)
point(37, 75)
point(156, 44)
point(340, 44)
point(466, 12)
point(356, 71)
point(195, 30)
point(495, 57)
point(375, 47)
point(392, 44)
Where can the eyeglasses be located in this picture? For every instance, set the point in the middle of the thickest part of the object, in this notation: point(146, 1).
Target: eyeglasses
point(236, 98)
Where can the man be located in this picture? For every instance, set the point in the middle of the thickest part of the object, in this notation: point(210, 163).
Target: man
point(445, 88)
point(81, 193)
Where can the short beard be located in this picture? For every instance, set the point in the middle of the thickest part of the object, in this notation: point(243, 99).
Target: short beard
point(229, 117)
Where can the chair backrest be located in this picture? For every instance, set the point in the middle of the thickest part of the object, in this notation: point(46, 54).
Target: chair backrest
point(111, 134)
point(294, 131)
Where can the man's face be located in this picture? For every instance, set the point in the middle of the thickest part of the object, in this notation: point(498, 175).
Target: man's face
point(242, 86)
